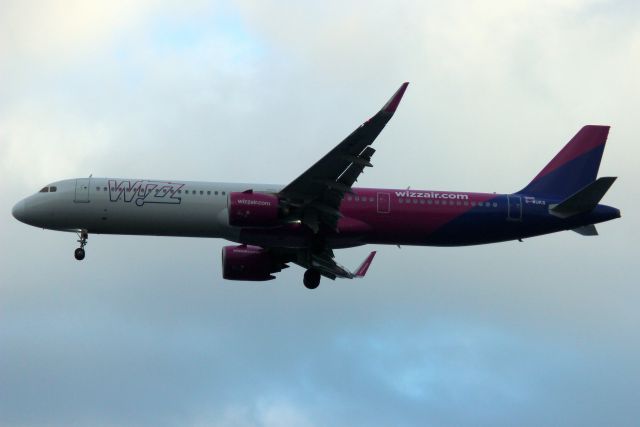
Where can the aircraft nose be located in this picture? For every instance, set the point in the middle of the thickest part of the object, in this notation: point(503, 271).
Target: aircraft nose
point(18, 211)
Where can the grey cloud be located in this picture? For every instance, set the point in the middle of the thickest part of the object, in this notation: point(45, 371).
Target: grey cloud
point(145, 332)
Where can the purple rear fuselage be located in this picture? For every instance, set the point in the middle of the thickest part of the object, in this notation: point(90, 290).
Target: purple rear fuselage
point(432, 218)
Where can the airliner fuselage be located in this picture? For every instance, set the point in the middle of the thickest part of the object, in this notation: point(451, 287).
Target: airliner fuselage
point(369, 215)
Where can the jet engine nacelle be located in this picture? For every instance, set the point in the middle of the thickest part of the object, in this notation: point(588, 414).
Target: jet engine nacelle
point(250, 263)
point(249, 209)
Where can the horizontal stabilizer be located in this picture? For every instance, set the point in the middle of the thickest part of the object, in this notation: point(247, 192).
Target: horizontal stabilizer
point(587, 230)
point(584, 200)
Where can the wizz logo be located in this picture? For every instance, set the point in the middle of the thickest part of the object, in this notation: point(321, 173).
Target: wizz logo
point(142, 191)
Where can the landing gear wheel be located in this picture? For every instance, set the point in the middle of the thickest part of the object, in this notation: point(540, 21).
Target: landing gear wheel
point(79, 254)
point(311, 279)
point(83, 236)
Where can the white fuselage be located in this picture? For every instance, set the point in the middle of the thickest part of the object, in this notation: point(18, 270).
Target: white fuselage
point(136, 206)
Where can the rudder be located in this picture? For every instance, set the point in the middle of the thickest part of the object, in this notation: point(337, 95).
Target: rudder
point(574, 167)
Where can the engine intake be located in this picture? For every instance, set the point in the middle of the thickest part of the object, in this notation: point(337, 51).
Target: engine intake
point(251, 209)
point(250, 263)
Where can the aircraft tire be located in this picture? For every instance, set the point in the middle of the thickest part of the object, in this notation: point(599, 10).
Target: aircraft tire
point(311, 279)
point(79, 254)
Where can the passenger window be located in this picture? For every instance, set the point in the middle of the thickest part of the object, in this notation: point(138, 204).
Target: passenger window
point(201, 192)
point(473, 203)
point(429, 202)
point(44, 190)
point(208, 193)
point(215, 193)
point(458, 203)
point(53, 189)
point(97, 188)
point(495, 205)
point(371, 199)
point(104, 189)
point(223, 193)
point(437, 202)
point(349, 198)
point(357, 198)
point(421, 201)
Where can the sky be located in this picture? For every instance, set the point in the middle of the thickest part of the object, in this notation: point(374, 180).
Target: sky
point(144, 332)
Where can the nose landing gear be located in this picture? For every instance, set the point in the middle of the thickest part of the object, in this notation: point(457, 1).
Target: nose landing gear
point(79, 252)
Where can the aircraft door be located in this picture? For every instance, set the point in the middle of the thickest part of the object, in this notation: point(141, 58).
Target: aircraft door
point(514, 212)
point(384, 202)
point(82, 190)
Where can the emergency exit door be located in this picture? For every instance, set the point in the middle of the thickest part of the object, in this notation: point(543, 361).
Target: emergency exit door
point(82, 190)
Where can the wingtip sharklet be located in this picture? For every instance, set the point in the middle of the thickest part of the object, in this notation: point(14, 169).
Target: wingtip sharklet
point(392, 104)
point(362, 270)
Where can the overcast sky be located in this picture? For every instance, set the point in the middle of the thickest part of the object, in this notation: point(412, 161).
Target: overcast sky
point(145, 332)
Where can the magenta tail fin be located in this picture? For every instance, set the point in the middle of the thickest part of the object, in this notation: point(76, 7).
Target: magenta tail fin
point(574, 167)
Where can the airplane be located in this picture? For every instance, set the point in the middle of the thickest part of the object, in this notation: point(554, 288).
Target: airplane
point(304, 221)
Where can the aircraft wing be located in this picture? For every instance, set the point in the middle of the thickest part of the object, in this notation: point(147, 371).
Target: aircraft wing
point(327, 266)
point(315, 196)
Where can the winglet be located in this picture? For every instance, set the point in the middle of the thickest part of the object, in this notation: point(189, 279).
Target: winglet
point(362, 270)
point(391, 105)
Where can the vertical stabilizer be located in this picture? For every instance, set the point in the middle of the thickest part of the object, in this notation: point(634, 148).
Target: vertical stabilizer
point(574, 167)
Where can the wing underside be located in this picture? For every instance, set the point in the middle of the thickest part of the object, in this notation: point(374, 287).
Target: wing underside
point(324, 262)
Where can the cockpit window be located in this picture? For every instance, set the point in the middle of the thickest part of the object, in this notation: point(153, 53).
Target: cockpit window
point(44, 190)
point(53, 189)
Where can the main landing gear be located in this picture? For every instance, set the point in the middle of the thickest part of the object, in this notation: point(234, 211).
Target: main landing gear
point(311, 279)
point(83, 236)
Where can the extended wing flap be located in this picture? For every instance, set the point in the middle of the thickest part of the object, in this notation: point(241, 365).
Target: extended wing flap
point(353, 171)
